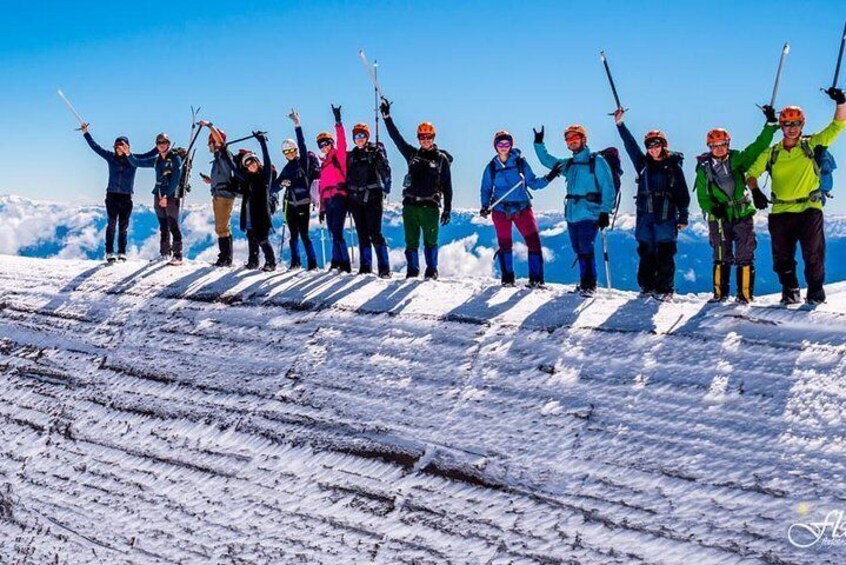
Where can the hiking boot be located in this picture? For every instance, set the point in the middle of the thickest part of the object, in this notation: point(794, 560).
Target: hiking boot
point(533, 283)
point(815, 297)
point(789, 296)
point(663, 296)
point(269, 267)
point(412, 273)
point(175, 262)
point(385, 274)
point(508, 279)
point(295, 265)
point(110, 258)
point(587, 292)
point(719, 299)
point(431, 274)
point(312, 265)
point(121, 257)
point(252, 266)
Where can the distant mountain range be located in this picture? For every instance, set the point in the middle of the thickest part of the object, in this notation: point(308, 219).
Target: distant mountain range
point(73, 231)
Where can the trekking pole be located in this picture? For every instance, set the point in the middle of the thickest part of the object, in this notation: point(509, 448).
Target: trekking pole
point(323, 244)
point(510, 190)
point(352, 236)
point(784, 51)
point(720, 239)
point(284, 225)
point(376, 97)
point(610, 80)
point(606, 259)
point(839, 59)
point(73, 110)
point(372, 72)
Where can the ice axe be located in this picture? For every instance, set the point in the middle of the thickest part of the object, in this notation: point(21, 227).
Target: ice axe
point(245, 138)
point(784, 51)
point(372, 71)
point(82, 122)
point(610, 80)
point(839, 60)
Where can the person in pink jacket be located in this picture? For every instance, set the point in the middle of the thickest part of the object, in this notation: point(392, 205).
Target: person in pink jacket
point(333, 190)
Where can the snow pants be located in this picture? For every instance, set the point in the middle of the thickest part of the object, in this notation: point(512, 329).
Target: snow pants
point(118, 210)
point(336, 213)
point(656, 247)
point(222, 208)
point(583, 240)
point(170, 235)
point(525, 222)
point(367, 216)
point(297, 218)
point(806, 229)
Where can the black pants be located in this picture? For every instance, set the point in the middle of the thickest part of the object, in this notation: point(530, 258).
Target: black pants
point(806, 229)
point(297, 218)
point(657, 268)
point(368, 219)
point(170, 236)
point(259, 240)
point(118, 209)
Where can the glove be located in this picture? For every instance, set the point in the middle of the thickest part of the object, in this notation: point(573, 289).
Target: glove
point(769, 113)
point(385, 108)
point(321, 217)
point(485, 212)
point(719, 211)
point(759, 199)
point(445, 217)
point(260, 135)
point(538, 135)
point(337, 112)
point(603, 221)
point(837, 95)
point(555, 171)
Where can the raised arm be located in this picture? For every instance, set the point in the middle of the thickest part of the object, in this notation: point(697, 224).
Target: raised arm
point(142, 162)
point(267, 168)
point(632, 147)
point(750, 154)
point(341, 136)
point(404, 148)
point(107, 155)
point(544, 157)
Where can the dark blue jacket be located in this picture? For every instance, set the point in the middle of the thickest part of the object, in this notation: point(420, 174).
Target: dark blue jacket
point(297, 175)
point(168, 171)
point(661, 186)
point(121, 170)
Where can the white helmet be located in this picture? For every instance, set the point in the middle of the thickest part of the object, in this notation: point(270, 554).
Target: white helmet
point(289, 144)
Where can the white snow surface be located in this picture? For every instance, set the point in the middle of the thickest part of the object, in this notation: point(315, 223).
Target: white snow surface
point(153, 414)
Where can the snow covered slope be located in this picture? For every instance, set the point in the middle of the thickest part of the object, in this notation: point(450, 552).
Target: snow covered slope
point(190, 415)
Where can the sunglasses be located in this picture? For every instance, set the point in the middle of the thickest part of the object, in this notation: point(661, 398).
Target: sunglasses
point(358, 136)
point(425, 137)
point(572, 137)
point(325, 143)
point(163, 143)
point(718, 145)
point(654, 144)
point(793, 124)
point(289, 151)
point(504, 144)
point(251, 161)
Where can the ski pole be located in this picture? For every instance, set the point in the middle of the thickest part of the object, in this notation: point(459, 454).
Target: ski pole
point(323, 244)
point(720, 237)
point(284, 225)
point(610, 78)
point(78, 117)
point(784, 51)
point(245, 138)
point(839, 59)
point(510, 190)
point(376, 97)
point(371, 72)
point(605, 257)
point(352, 235)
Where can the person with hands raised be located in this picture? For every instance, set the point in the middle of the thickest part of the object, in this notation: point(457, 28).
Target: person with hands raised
point(224, 190)
point(333, 190)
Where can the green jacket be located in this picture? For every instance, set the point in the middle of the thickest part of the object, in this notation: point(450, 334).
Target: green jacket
point(709, 194)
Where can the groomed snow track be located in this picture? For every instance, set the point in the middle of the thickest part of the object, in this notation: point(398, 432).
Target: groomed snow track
point(188, 415)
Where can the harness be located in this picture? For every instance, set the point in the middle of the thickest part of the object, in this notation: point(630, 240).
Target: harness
point(371, 155)
point(592, 197)
point(814, 195)
point(521, 171)
point(666, 194)
point(436, 197)
point(708, 169)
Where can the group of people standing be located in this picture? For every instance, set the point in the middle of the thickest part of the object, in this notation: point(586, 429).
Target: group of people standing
point(356, 181)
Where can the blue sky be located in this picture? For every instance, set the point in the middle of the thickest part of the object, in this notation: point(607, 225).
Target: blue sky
point(470, 67)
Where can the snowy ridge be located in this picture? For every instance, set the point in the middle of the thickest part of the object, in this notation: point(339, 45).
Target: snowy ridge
point(195, 415)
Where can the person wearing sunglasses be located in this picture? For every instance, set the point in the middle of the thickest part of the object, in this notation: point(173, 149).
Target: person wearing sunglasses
point(223, 191)
point(662, 203)
point(429, 179)
point(296, 179)
point(368, 182)
point(505, 197)
point(119, 190)
point(333, 190)
point(728, 209)
point(590, 200)
point(796, 177)
point(254, 178)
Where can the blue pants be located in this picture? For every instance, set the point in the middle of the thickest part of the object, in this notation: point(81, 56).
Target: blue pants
point(336, 214)
point(656, 246)
point(583, 241)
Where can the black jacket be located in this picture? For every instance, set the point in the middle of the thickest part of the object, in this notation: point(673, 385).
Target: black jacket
point(429, 175)
point(255, 189)
point(367, 171)
point(297, 175)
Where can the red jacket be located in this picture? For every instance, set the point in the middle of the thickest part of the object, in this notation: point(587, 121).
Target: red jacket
point(333, 167)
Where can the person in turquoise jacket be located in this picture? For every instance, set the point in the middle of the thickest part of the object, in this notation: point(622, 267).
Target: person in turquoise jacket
point(505, 194)
point(590, 200)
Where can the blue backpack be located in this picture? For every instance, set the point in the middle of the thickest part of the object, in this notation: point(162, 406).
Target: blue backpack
point(824, 165)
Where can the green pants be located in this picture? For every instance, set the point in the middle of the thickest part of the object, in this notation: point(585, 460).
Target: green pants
point(418, 218)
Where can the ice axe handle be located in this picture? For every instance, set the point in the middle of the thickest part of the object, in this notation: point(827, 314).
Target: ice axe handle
point(610, 78)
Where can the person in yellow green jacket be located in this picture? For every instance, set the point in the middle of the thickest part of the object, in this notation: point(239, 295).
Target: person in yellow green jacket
point(797, 212)
point(722, 195)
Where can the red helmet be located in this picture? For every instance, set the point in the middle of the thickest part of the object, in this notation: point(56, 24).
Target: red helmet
point(361, 128)
point(791, 114)
point(576, 128)
point(324, 136)
point(654, 134)
point(425, 128)
point(502, 135)
point(717, 135)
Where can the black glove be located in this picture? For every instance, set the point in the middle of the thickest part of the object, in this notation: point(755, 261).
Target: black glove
point(837, 95)
point(485, 212)
point(321, 217)
point(445, 217)
point(260, 135)
point(603, 221)
point(337, 112)
point(538, 135)
point(555, 171)
point(385, 108)
point(719, 211)
point(759, 199)
point(769, 113)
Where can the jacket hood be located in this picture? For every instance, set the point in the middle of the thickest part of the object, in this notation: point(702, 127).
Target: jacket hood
point(511, 161)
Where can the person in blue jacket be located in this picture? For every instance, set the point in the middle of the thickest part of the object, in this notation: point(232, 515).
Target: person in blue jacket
point(591, 197)
point(295, 181)
point(505, 195)
point(166, 202)
point(662, 204)
point(118, 191)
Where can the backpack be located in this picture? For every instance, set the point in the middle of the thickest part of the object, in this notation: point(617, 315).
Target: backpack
point(612, 157)
point(824, 165)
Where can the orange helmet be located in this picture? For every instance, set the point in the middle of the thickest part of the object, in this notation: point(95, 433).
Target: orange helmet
point(324, 136)
point(425, 128)
point(503, 135)
point(361, 128)
point(717, 135)
point(655, 134)
point(791, 114)
point(222, 136)
point(576, 128)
